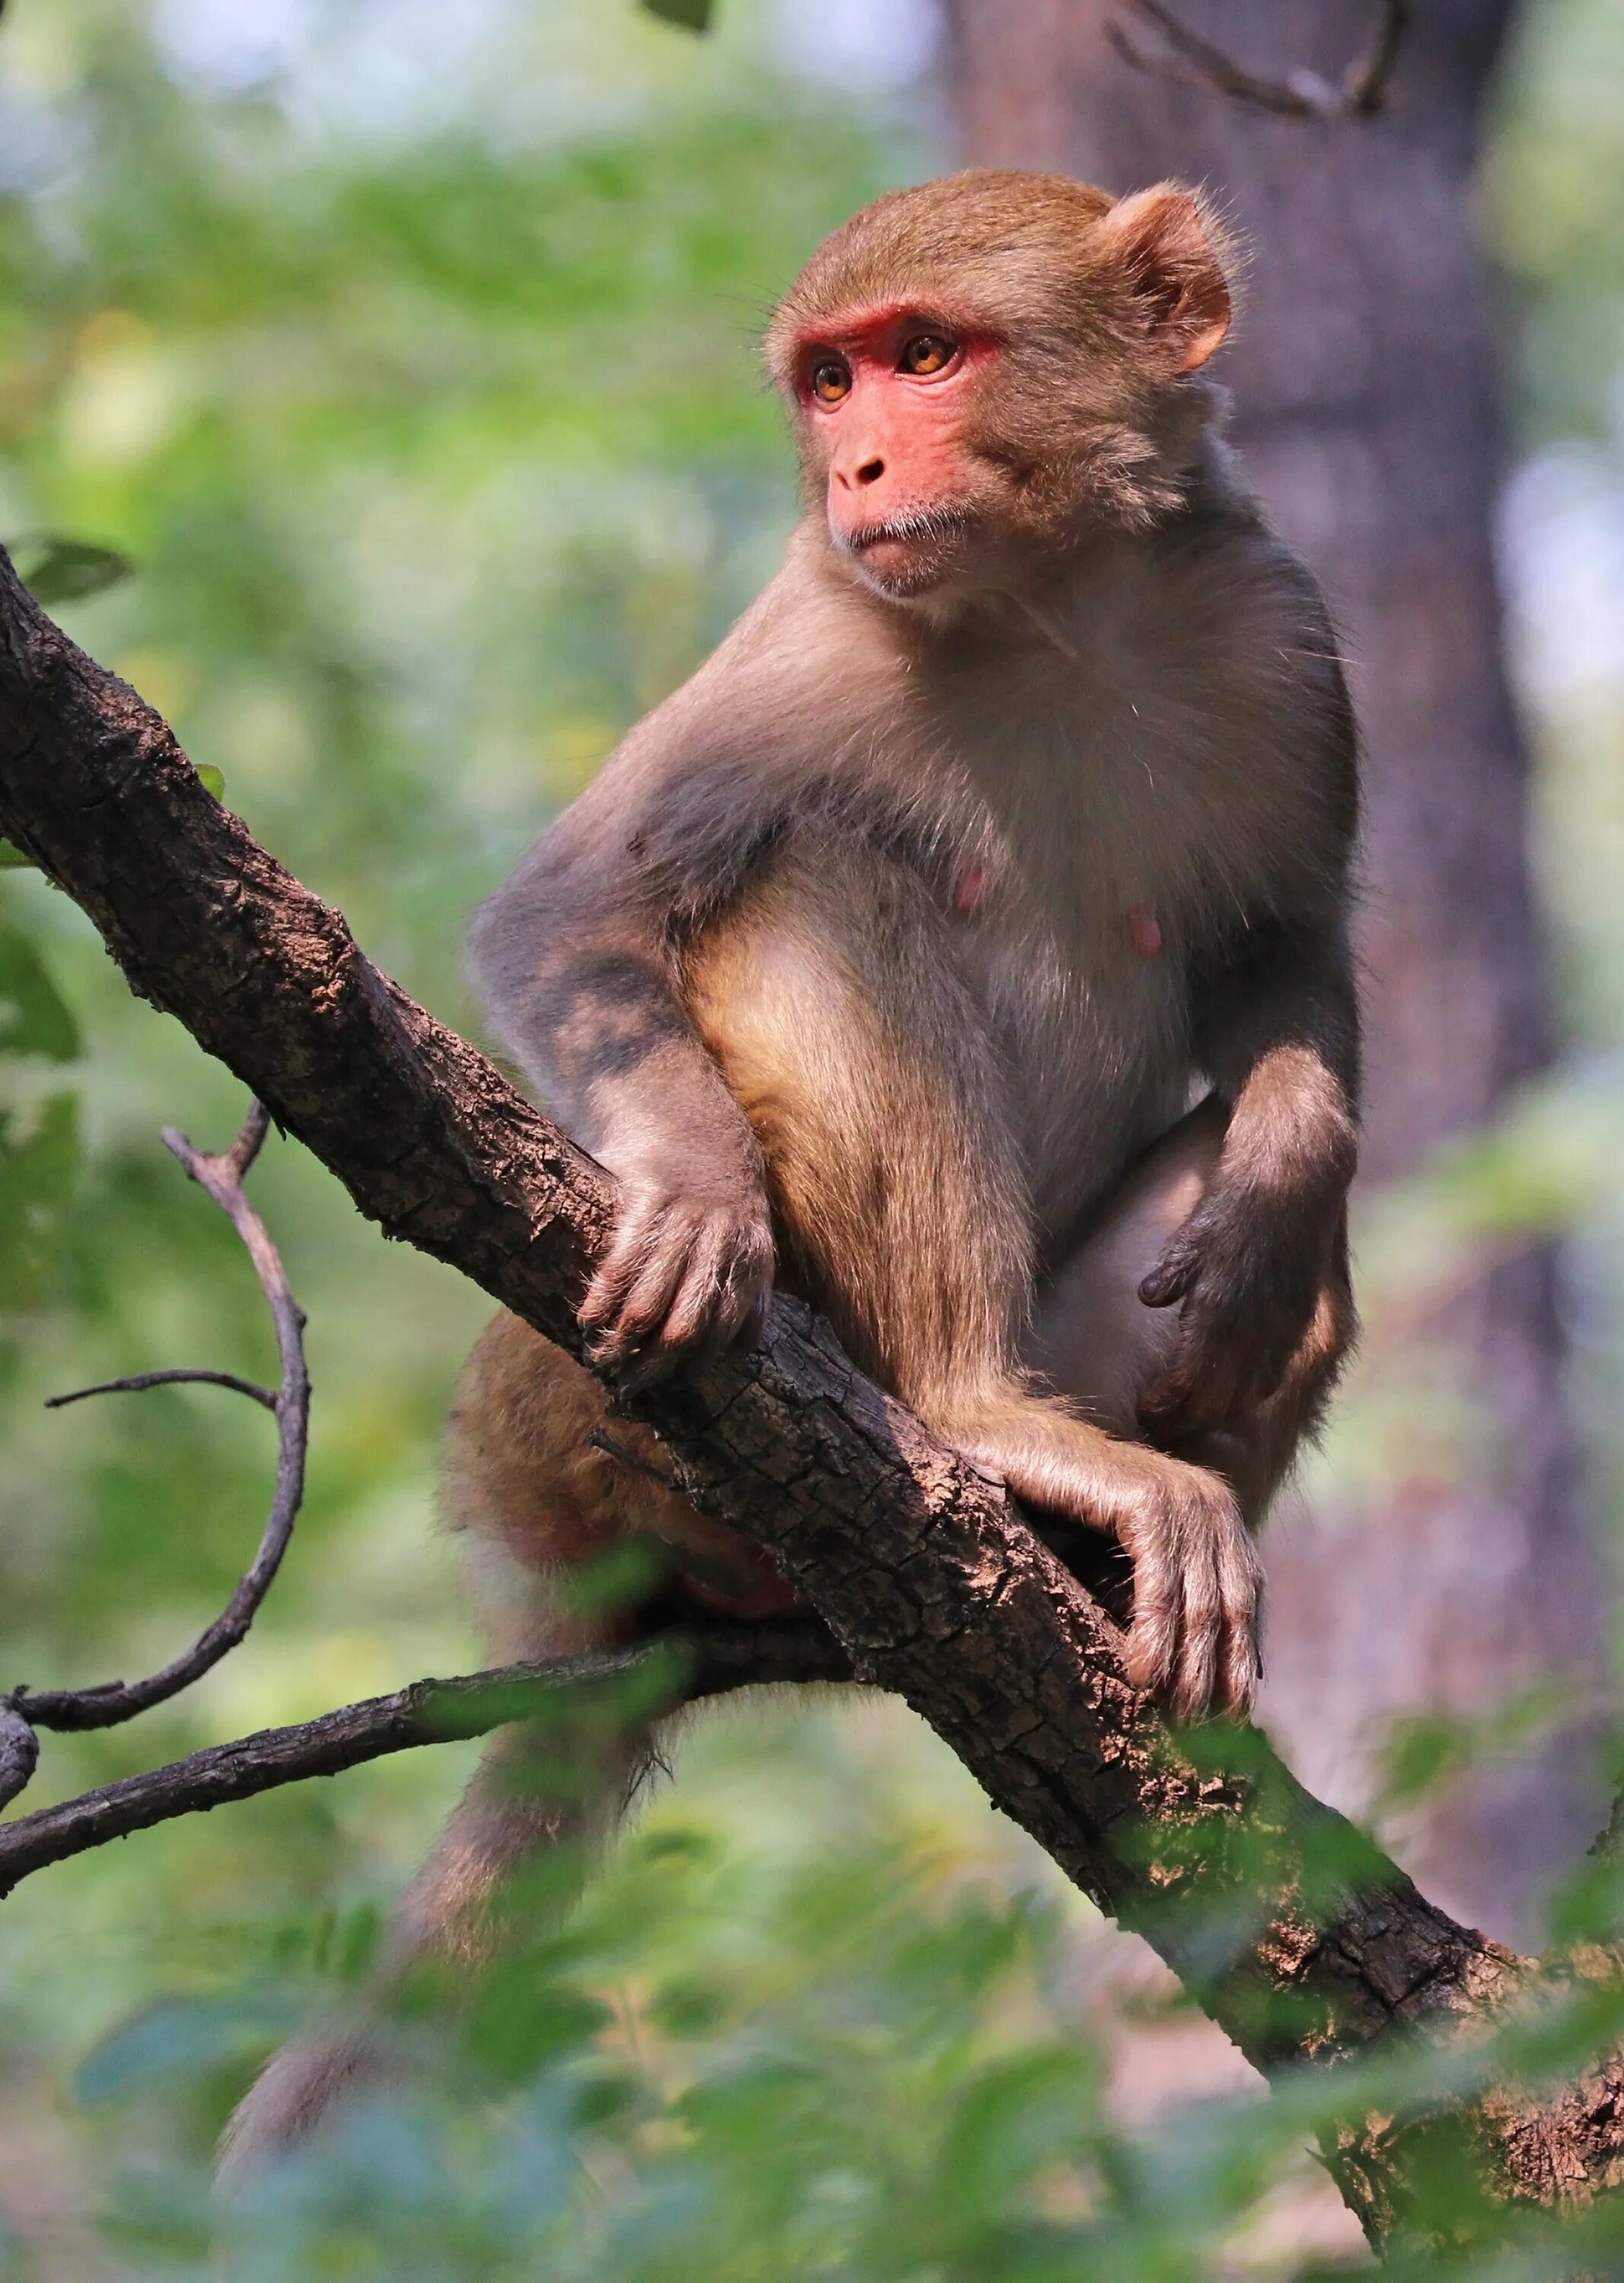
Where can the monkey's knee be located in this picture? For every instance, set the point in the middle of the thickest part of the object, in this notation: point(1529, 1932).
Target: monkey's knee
point(536, 1461)
point(524, 1460)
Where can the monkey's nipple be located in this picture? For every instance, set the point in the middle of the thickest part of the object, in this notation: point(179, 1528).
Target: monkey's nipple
point(1143, 929)
point(970, 888)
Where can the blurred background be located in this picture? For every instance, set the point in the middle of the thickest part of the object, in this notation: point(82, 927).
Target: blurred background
point(408, 355)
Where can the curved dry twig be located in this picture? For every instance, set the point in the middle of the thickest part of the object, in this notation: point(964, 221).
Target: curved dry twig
point(222, 1174)
point(1301, 94)
point(704, 1661)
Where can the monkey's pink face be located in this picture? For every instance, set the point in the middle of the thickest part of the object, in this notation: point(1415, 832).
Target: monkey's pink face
point(884, 398)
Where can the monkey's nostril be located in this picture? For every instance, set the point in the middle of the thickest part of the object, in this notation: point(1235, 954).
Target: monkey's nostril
point(870, 471)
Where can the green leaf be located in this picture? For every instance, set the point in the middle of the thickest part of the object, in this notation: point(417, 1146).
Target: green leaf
point(66, 570)
point(13, 859)
point(173, 2037)
point(693, 15)
point(210, 779)
point(34, 1018)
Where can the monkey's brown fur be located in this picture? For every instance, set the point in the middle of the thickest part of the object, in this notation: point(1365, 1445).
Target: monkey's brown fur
point(890, 954)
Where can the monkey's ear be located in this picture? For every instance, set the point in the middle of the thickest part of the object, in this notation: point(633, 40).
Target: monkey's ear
point(1172, 255)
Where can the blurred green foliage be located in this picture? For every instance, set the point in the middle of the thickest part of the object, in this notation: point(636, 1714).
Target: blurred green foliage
point(694, 14)
point(407, 355)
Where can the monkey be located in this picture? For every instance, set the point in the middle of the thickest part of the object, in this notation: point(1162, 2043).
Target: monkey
point(964, 949)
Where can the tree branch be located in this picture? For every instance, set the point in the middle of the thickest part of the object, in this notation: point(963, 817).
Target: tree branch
point(1301, 94)
point(19, 1752)
point(680, 1665)
point(115, 1701)
point(929, 1578)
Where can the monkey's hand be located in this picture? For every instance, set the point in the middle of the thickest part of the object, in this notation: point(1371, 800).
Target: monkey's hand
point(1250, 1282)
point(687, 1274)
point(1197, 1587)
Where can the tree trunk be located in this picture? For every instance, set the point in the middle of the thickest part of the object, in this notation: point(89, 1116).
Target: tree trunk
point(1363, 371)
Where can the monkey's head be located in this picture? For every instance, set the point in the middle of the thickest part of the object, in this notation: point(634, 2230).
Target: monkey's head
point(981, 368)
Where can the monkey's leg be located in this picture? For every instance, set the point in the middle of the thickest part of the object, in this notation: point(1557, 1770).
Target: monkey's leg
point(452, 1917)
point(834, 1004)
point(525, 1480)
point(1092, 1336)
point(1096, 1342)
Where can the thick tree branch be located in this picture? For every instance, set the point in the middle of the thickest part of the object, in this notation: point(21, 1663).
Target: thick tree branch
point(927, 1575)
point(19, 1752)
point(681, 1666)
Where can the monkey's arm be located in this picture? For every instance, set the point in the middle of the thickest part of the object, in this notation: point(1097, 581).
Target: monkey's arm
point(1277, 1033)
point(578, 959)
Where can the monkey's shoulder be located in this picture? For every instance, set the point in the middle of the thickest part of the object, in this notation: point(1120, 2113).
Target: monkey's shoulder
point(1218, 710)
point(1168, 723)
point(803, 672)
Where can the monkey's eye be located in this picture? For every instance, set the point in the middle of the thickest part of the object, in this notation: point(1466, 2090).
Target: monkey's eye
point(928, 353)
point(832, 380)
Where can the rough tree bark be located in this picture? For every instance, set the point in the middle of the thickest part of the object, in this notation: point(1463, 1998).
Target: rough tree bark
point(1364, 377)
point(925, 1573)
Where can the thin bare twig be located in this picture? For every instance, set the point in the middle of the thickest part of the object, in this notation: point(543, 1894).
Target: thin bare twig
point(1301, 94)
point(139, 1382)
point(220, 1173)
point(638, 1465)
point(1367, 83)
point(704, 1661)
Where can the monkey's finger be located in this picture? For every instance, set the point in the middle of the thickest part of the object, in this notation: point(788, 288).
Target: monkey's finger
point(752, 1263)
point(1152, 1639)
point(1178, 1398)
point(646, 1303)
point(628, 1246)
point(699, 1300)
point(1202, 1383)
point(754, 1324)
point(1174, 1276)
point(1202, 1620)
point(1241, 1582)
point(741, 1313)
point(1242, 1667)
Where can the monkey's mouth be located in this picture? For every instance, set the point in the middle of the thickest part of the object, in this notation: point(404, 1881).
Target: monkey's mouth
point(906, 553)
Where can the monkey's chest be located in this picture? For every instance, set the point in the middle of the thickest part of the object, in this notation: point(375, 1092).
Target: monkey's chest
point(1088, 1006)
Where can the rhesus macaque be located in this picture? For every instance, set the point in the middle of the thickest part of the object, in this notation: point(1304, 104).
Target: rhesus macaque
point(964, 949)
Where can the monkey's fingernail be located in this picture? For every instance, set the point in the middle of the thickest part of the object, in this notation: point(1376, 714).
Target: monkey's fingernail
point(646, 1367)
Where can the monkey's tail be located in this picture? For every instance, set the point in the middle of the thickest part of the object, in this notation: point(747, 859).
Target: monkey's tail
point(450, 1914)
